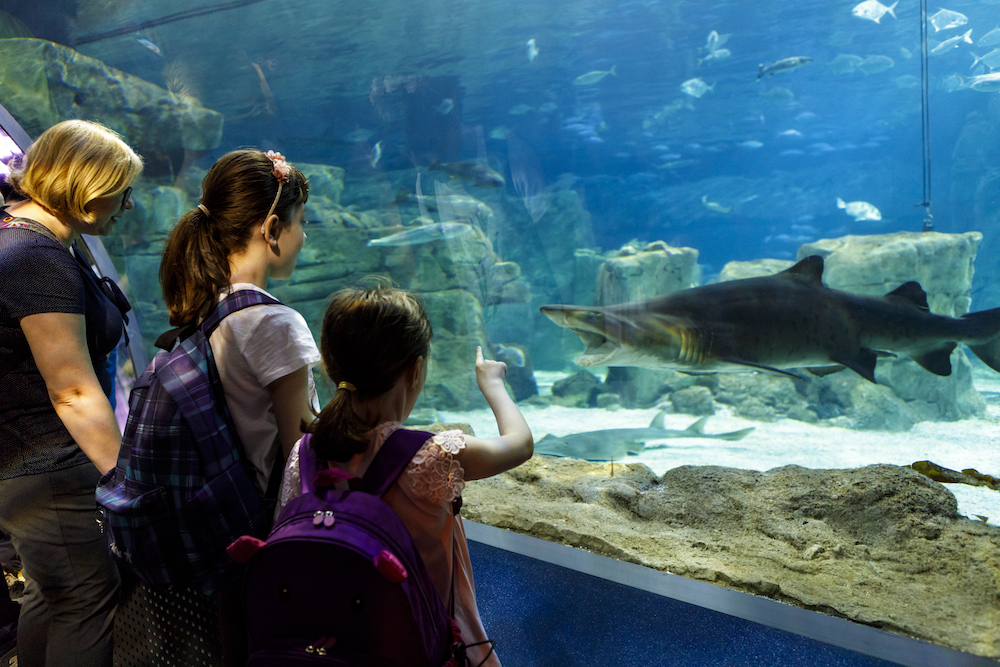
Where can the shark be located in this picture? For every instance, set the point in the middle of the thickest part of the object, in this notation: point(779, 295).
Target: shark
point(612, 443)
point(778, 323)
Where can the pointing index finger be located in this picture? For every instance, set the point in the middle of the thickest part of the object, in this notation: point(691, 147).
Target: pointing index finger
point(479, 354)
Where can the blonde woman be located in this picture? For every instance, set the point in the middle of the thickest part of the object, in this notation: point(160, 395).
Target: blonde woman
point(58, 432)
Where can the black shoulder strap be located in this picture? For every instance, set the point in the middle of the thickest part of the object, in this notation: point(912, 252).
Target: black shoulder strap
point(392, 459)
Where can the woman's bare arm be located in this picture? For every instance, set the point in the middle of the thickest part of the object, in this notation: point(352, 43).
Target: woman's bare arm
point(58, 343)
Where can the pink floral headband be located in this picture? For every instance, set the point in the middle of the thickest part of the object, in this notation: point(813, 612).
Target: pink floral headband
point(281, 172)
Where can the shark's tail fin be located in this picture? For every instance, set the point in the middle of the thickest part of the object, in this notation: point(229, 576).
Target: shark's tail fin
point(985, 324)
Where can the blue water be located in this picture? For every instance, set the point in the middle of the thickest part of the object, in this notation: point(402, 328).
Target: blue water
point(850, 135)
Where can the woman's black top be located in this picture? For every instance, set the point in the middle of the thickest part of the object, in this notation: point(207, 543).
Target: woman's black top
point(39, 275)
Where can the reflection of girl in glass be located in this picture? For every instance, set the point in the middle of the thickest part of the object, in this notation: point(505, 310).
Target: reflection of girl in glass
point(58, 432)
point(247, 229)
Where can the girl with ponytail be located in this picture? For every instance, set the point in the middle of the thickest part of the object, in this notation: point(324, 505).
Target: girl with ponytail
point(247, 230)
point(375, 343)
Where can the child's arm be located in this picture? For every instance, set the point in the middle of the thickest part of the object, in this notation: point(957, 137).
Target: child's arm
point(514, 446)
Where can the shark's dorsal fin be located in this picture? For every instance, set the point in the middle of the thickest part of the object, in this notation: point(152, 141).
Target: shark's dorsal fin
point(912, 292)
point(697, 428)
point(658, 421)
point(810, 268)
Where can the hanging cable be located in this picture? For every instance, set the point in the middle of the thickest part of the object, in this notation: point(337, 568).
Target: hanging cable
point(925, 123)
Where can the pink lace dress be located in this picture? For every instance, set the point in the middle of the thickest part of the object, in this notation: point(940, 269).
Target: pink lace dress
point(422, 498)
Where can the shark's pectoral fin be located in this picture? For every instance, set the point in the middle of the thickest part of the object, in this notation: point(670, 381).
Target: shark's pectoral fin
point(734, 435)
point(823, 371)
point(760, 367)
point(861, 362)
point(937, 361)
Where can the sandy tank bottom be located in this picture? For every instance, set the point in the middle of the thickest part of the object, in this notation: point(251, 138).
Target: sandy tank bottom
point(971, 443)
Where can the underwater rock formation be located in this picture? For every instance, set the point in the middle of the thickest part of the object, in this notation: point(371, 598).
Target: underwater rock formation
point(156, 122)
point(880, 545)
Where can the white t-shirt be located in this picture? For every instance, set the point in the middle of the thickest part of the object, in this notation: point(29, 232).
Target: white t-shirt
point(254, 347)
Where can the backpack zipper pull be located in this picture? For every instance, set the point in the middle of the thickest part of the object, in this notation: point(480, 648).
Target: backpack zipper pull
point(322, 645)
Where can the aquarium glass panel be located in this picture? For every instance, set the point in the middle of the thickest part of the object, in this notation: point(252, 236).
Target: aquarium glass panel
point(726, 250)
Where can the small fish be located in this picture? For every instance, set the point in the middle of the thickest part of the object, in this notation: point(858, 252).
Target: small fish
point(695, 87)
point(548, 107)
point(439, 231)
point(906, 81)
point(509, 355)
point(905, 52)
point(845, 63)
point(954, 82)
point(778, 96)
point(451, 206)
point(873, 10)
point(859, 210)
point(480, 175)
point(715, 56)
point(520, 109)
point(376, 154)
point(270, 103)
point(715, 206)
point(499, 132)
point(991, 38)
point(149, 45)
point(951, 43)
point(945, 19)
point(357, 136)
point(715, 41)
point(991, 59)
point(790, 133)
point(783, 65)
point(591, 78)
point(751, 144)
point(984, 83)
point(532, 50)
point(447, 104)
point(876, 64)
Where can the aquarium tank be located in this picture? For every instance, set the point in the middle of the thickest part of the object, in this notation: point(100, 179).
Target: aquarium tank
point(677, 223)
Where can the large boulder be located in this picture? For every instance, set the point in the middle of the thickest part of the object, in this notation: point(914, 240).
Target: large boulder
point(880, 545)
point(43, 83)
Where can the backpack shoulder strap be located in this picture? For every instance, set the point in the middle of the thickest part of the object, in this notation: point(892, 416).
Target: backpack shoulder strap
point(392, 459)
point(389, 463)
point(237, 300)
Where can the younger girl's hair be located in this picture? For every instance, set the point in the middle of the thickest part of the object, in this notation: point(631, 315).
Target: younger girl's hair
point(371, 336)
point(73, 163)
point(236, 195)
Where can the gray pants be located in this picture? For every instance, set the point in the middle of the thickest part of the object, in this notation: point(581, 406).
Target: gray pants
point(71, 592)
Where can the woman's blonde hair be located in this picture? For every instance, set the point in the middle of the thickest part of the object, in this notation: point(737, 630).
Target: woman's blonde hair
point(73, 163)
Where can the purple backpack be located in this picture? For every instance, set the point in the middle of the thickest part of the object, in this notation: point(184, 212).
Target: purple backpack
point(339, 580)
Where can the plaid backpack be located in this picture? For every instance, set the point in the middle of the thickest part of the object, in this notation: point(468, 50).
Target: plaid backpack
point(182, 492)
point(339, 580)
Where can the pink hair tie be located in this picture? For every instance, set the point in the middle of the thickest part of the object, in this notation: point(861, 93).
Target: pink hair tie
point(281, 172)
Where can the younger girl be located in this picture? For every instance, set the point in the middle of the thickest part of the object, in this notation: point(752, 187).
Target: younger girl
point(375, 345)
point(247, 230)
